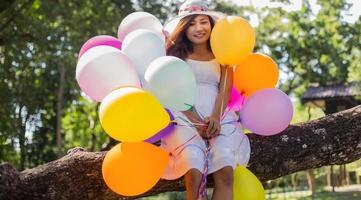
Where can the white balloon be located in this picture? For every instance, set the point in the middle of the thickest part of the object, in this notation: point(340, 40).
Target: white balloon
point(102, 69)
point(143, 47)
point(140, 20)
point(172, 81)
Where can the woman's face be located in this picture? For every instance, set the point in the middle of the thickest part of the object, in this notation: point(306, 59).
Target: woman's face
point(199, 29)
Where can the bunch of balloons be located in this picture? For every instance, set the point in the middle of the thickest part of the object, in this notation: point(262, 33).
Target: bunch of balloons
point(263, 109)
point(136, 84)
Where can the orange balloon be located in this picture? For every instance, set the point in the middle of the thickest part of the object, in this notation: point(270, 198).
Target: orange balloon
point(232, 39)
point(256, 72)
point(131, 169)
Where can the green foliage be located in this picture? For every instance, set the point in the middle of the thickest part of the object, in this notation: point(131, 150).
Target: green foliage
point(310, 47)
point(303, 113)
point(82, 126)
point(38, 40)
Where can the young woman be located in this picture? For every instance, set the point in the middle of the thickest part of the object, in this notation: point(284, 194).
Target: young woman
point(208, 138)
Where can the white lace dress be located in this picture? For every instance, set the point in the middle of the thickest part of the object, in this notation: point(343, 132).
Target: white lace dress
point(185, 146)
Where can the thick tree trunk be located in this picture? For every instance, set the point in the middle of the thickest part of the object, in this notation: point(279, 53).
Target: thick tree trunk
point(334, 139)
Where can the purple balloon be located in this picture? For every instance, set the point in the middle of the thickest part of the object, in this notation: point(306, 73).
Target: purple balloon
point(100, 40)
point(164, 131)
point(267, 112)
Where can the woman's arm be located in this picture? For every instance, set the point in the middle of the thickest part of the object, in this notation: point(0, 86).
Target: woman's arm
point(193, 116)
point(225, 88)
point(197, 122)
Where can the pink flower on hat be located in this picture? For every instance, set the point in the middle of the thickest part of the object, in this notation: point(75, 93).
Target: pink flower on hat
point(190, 6)
point(193, 6)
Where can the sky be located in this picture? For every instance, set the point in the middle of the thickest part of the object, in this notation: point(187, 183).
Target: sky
point(351, 16)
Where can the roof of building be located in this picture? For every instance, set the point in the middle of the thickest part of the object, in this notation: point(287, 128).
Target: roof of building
point(332, 91)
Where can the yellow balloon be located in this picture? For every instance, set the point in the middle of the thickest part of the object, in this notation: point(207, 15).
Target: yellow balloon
point(246, 185)
point(130, 114)
point(232, 39)
point(256, 72)
point(133, 168)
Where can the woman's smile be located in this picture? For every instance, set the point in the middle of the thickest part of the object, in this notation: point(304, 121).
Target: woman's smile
point(199, 29)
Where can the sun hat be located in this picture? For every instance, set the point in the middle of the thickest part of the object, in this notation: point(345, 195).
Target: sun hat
point(192, 7)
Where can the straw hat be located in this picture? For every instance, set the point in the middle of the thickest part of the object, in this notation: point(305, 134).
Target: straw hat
point(192, 7)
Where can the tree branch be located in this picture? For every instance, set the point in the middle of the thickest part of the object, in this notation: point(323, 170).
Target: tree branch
point(13, 14)
point(334, 139)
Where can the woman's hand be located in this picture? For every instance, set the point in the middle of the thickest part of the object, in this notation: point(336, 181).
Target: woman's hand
point(197, 122)
point(202, 130)
point(166, 34)
point(214, 126)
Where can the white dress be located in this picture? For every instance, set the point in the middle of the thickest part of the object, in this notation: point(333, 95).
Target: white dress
point(185, 146)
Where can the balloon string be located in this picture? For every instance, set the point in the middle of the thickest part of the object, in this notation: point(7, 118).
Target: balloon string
point(224, 88)
point(175, 149)
point(191, 106)
point(202, 192)
point(195, 109)
point(230, 122)
point(228, 109)
point(188, 123)
point(192, 124)
point(243, 99)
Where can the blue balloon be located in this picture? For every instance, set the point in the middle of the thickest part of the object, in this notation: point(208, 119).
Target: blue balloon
point(172, 81)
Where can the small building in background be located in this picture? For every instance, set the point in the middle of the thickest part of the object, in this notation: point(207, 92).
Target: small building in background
point(331, 99)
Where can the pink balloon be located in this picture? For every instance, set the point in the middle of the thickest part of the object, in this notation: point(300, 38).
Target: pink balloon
point(100, 40)
point(267, 112)
point(102, 69)
point(236, 101)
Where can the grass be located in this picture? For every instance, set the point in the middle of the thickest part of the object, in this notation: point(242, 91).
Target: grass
point(279, 195)
point(318, 196)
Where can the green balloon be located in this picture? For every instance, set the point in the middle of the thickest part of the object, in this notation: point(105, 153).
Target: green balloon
point(247, 186)
point(172, 81)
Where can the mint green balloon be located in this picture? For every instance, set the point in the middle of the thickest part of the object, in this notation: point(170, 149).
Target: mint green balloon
point(246, 185)
point(172, 81)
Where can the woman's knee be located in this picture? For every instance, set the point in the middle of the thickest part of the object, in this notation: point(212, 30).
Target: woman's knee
point(224, 177)
point(193, 176)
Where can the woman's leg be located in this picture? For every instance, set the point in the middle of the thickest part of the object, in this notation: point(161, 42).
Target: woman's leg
point(223, 184)
point(192, 180)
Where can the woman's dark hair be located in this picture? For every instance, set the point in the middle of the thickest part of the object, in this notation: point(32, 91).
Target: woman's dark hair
point(178, 44)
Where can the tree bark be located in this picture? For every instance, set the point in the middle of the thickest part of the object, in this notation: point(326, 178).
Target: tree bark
point(294, 181)
point(59, 108)
point(311, 181)
point(331, 140)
